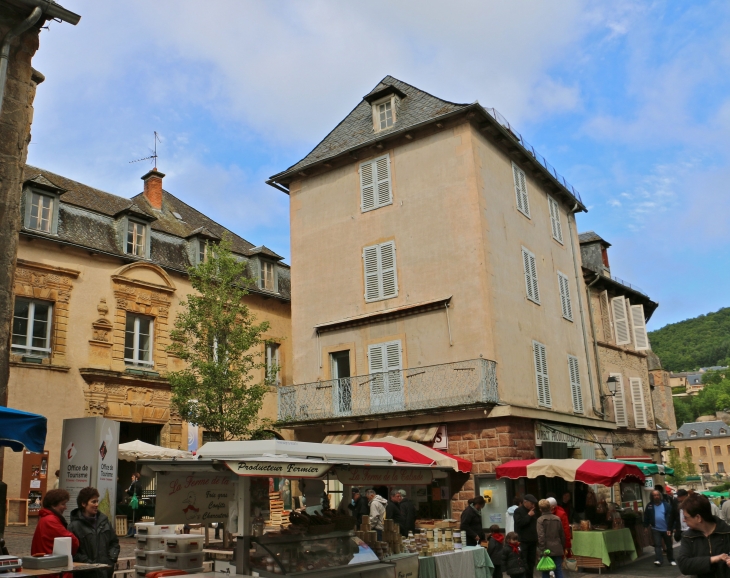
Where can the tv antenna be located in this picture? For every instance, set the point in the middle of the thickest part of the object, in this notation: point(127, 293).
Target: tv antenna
point(153, 156)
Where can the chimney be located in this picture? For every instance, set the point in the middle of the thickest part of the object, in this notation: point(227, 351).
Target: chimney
point(153, 188)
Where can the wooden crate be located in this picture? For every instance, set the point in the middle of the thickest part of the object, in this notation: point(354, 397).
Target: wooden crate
point(121, 525)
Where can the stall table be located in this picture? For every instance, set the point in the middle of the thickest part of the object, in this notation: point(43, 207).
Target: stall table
point(593, 549)
point(471, 561)
point(75, 567)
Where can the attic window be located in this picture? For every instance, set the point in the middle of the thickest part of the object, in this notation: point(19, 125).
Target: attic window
point(384, 112)
point(693, 434)
point(708, 432)
point(680, 435)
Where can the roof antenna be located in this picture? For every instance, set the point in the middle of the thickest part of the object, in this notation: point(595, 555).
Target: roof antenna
point(153, 156)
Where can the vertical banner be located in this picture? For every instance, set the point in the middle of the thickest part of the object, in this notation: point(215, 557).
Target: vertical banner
point(89, 458)
point(192, 437)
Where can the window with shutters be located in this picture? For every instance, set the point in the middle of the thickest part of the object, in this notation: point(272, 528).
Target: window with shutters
point(575, 389)
point(638, 323)
point(381, 279)
point(555, 224)
point(386, 385)
point(620, 321)
point(606, 317)
point(375, 184)
point(541, 375)
point(523, 203)
point(619, 402)
point(637, 397)
point(530, 267)
point(565, 303)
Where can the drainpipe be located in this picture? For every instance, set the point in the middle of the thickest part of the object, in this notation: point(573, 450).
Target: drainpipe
point(582, 314)
point(32, 18)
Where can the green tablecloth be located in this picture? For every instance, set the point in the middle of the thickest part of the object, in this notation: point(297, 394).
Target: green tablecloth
point(599, 543)
point(483, 566)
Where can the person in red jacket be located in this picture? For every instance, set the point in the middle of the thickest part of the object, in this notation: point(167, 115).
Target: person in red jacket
point(52, 524)
point(560, 513)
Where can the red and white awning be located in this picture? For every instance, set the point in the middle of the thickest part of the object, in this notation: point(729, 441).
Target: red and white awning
point(404, 451)
point(586, 471)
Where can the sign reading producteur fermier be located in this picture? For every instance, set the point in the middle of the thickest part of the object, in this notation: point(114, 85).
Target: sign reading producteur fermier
point(193, 498)
point(279, 469)
point(385, 476)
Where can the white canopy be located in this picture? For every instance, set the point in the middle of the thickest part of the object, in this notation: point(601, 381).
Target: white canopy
point(133, 451)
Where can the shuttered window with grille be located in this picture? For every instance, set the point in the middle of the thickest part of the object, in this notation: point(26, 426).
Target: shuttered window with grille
point(530, 268)
point(381, 278)
point(523, 202)
point(565, 304)
point(375, 184)
point(575, 389)
point(541, 375)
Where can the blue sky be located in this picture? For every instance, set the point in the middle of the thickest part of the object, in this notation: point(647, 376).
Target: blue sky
point(630, 101)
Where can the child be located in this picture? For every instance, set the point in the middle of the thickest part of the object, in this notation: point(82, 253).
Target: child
point(494, 549)
point(513, 559)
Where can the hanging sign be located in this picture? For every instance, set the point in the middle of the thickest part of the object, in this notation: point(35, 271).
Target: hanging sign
point(649, 483)
point(279, 469)
point(390, 476)
point(187, 497)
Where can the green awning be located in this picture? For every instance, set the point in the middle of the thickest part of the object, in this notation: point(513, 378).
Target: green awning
point(710, 494)
point(649, 469)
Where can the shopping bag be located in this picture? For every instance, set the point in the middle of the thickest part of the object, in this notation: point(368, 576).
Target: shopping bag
point(570, 564)
point(134, 502)
point(546, 563)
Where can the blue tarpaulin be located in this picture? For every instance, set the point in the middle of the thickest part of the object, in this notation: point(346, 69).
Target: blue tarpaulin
point(20, 429)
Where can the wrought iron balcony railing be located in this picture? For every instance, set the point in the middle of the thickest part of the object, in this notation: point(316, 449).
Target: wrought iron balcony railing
point(449, 385)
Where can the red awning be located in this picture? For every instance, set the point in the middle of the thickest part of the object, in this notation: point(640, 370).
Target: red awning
point(414, 453)
point(586, 471)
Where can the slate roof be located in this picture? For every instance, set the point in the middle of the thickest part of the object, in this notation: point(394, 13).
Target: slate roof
point(591, 237)
point(357, 127)
point(700, 427)
point(88, 217)
point(694, 379)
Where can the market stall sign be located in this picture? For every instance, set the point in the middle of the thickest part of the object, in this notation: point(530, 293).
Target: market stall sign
point(385, 476)
point(193, 498)
point(279, 469)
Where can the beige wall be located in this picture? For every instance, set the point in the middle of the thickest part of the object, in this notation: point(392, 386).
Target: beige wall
point(58, 390)
point(457, 233)
point(709, 444)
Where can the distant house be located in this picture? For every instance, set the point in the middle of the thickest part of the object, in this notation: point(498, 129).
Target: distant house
point(708, 443)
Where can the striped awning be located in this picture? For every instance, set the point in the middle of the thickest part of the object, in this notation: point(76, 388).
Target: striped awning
point(422, 434)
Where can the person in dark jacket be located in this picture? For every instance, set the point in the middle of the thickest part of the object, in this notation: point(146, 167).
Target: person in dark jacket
point(705, 546)
point(494, 549)
point(526, 527)
point(392, 510)
point(407, 514)
point(52, 524)
point(359, 505)
point(471, 522)
point(98, 543)
point(660, 517)
point(513, 557)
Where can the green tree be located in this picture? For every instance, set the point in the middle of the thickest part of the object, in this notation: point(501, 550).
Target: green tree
point(218, 338)
point(680, 471)
point(689, 466)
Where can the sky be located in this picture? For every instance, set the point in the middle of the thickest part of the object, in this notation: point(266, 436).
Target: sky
point(630, 101)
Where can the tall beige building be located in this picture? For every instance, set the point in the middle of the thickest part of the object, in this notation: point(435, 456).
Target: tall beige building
point(437, 290)
point(99, 282)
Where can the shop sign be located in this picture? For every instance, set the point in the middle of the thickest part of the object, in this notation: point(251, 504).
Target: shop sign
point(573, 436)
point(380, 476)
point(193, 498)
point(279, 469)
point(649, 483)
point(441, 439)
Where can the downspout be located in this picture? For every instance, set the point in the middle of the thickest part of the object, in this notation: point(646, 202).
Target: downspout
point(12, 34)
point(582, 314)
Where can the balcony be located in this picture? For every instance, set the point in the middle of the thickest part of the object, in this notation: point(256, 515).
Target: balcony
point(458, 385)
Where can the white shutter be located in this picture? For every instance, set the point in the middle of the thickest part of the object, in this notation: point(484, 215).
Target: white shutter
point(606, 318)
point(555, 225)
point(375, 183)
point(641, 339)
point(575, 388)
point(523, 204)
point(620, 321)
point(372, 269)
point(637, 397)
point(376, 365)
point(541, 375)
point(386, 383)
point(565, 303)
point(395, 383)
point(530, 268)
point(389, 279)
point(619, 401)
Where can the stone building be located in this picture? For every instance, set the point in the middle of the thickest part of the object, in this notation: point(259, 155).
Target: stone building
point(661, 393)
point(708, 443)
point(98, 285)
point(438, 292)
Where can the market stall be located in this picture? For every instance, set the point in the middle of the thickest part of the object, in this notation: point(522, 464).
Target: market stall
point(593, 547)
point(232, 482)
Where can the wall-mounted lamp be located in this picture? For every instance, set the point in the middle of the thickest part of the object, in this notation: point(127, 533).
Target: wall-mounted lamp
point(612, 383)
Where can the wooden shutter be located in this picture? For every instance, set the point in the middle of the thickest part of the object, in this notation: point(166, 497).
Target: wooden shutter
point(389, 279)
point(575, 389)
point(620, 321)
point(529, 265)
point(641, 339)
point(606, 318)
point(375, 183)
point(523, 204)
point(619, 401)
point(565, 303)
point(541, 375)
point(395, 381)
point(557, 228)
point(637, 397)
point(372, 270)
point(376, 365)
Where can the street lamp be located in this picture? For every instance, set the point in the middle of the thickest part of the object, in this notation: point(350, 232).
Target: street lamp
point(612, 383)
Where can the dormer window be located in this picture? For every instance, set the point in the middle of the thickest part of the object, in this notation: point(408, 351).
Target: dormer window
point(680, 435)
point(41, 212)
point(693, 434)
point(708, 432)
point(136, 238)
point(202, 251)
point(385, 114)
point(41, 199)
point(267, 276)
point(385, 101)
